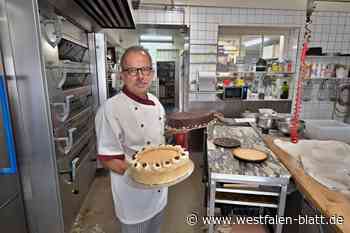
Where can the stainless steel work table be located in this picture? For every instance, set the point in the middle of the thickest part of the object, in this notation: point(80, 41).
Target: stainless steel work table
point(226, 169)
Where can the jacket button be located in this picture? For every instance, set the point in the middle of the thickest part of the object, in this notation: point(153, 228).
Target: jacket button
point(160, 118)
point(135, 108)
point(158, 191)
point(142, 125)
point(148, 142)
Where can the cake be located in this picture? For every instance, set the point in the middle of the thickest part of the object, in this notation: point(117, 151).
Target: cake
point(189, 120)
point(160, 165)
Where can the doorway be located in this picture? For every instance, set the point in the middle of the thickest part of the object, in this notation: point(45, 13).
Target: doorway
point(166, 76)
point(166, 45)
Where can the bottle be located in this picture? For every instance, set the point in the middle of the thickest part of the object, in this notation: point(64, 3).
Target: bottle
point(284, 90)
point(239, 82)
point(245, 91)
point(289, 67)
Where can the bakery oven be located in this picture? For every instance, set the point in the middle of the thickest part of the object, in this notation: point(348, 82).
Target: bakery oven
point(69, 80)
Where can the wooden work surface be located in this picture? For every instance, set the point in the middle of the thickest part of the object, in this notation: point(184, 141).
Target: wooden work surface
point(329, 202)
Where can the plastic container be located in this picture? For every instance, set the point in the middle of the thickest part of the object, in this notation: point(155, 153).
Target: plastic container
point(327, 130)
point(227, 82)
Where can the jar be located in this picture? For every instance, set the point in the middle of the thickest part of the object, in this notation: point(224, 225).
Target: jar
point(275, 67)
point(289, 67)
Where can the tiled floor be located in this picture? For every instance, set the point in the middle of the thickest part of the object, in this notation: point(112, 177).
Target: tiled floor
point(97, 214)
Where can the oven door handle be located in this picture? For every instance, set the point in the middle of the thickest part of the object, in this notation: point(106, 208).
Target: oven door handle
point(75, 166)
point(69, 141)
point(66, 108)
point(63, 79)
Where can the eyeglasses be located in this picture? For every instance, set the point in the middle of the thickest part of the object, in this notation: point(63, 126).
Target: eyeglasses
point(132, 71)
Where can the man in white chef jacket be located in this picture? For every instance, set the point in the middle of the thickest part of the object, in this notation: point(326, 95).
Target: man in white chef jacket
point(124, 124)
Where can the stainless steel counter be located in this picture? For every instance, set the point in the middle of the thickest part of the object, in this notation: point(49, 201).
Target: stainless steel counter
point(221, 161)
point(269, 179)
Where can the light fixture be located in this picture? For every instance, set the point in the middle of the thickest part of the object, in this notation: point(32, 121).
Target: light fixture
point(157, 38)
point(231, 48)
point(255, 42)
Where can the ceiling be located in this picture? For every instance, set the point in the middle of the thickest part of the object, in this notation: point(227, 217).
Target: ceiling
point(109, 13)
point(266, 4)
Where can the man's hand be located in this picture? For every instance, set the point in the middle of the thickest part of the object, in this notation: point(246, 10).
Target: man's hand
point(117, 165)
point(219, 116)
point(171, 131)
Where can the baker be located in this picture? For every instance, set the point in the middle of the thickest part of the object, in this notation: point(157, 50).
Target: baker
point(124, 124)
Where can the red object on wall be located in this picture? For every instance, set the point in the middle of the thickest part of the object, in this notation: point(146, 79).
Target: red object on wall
point(227, 82)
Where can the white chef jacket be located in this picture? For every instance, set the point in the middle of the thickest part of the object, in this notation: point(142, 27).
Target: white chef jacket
point(124, 126)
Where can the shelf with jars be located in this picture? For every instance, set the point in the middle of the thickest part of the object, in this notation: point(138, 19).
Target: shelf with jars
point(243, 74)
point(259, 86)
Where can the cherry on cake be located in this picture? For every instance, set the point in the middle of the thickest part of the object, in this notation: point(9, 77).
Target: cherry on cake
point(160, 165)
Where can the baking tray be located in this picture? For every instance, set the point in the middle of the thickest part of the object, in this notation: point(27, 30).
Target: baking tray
point(226, 142)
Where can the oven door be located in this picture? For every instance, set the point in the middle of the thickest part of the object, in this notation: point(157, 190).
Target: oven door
point(7, 149)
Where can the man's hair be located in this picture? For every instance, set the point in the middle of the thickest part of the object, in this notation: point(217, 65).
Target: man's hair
point(134, 49)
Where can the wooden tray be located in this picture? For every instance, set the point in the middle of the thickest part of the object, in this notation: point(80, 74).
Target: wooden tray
point(249, 155)
point(227, 142)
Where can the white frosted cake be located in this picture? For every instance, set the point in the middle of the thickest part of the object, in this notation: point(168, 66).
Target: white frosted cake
point(160, 165)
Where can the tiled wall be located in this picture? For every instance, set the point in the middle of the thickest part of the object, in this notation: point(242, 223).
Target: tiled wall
point(314, 108)
point(167, 55)
point(204, 23)
point(331, 30)
point(160, 16)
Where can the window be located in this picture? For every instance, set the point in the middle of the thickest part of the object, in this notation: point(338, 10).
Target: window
point(245, 45)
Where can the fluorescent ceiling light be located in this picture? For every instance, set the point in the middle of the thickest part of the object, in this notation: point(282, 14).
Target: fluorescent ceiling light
point(255, 42)
point(230, 48)
point(155, 38)
point(153, 45)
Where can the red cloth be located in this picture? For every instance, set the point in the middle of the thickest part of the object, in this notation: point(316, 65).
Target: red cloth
point(138, 99)
point(110, 157)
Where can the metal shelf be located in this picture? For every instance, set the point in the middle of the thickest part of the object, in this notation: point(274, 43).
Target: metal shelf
point(259, 72)
point(279, 77)
point(266, 99)
point(326, 78)
point(203, 53)
point(203, 63)
point(242, 191)
point(207, 92)
point(210, 44)
point(328, 56)
point(280, 73)
point(246, 203)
